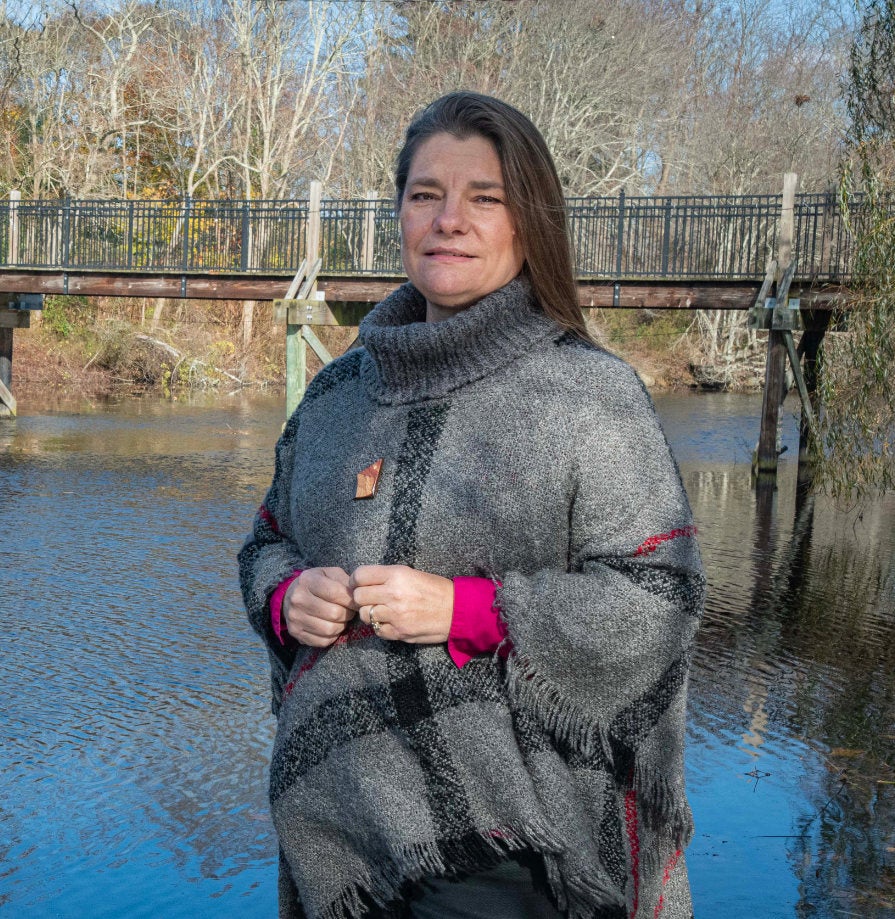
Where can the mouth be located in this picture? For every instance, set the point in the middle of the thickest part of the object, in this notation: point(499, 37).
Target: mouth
point(448, 253)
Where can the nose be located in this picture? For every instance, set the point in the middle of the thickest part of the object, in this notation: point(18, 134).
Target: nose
point(451, 217)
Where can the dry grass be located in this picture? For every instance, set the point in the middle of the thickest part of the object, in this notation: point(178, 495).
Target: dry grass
point(106, 345)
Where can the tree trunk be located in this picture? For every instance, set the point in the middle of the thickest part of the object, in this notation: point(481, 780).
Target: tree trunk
point(157, 313)
point(248, 318)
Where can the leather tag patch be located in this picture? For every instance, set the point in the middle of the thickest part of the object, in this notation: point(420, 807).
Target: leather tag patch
point(367, 480)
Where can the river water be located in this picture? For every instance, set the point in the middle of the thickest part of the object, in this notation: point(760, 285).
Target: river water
point(134, 726)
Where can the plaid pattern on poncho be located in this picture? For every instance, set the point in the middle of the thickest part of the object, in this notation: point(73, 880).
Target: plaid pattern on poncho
point(513, 451)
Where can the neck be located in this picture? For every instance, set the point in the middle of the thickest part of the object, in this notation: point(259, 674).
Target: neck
point(436, 313)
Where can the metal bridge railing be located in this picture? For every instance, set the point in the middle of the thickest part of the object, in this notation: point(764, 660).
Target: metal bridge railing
point(684, 238)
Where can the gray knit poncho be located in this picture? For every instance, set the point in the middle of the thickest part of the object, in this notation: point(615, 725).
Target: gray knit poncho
point(517, 452)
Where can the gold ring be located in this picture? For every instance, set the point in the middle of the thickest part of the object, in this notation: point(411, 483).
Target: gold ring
point(376, 625)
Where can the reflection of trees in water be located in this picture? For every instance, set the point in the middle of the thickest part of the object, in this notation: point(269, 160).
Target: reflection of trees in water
point(845, 635)
point(823, 603)
point(799, 640)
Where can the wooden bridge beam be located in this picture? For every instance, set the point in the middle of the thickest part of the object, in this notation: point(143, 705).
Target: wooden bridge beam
point(652, 293)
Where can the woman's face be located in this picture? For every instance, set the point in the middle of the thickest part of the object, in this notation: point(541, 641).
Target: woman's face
point(458, 242)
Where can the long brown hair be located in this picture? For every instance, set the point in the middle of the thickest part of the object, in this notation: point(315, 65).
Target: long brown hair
point(534, 193)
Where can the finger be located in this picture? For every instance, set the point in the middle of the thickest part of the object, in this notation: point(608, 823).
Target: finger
point(367, 612)
point(367, 575)
point(320, 628)
point(342, 578)
point(370, 596)
point(386, 632)
point(309, 630)
point(318, 609)
point(372, 615)
point(332, 590)
point(313, 641)
point(337, 574)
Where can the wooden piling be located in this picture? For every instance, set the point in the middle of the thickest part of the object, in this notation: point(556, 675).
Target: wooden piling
point(7, 400)
point(809, 348)
point(10, 320)
point(296, 367)
point(775, 367)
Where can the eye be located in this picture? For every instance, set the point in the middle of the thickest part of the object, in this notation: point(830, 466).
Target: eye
point(488, 199)
point(422, 196)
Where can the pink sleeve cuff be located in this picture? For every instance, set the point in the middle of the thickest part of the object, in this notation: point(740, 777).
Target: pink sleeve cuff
point(476, 627)
point(277, 619)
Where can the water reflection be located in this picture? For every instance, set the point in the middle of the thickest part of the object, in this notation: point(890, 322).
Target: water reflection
point(793, 700)
point(133, 725)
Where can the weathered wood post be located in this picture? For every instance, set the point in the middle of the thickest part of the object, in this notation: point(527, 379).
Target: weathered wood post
point(775, 369)
point(7, 400)
point(15, 313)
point(12, 255)
point(296, 343)
point(368, 239)
point(809, 347)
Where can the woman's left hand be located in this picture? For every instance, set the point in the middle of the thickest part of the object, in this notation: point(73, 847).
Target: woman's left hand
point(406, 604)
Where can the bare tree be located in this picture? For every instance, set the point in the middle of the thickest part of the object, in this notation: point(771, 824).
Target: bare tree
point(115, 66)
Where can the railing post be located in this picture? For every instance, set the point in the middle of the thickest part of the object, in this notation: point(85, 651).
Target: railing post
point(186, 233)
point(368, 244)
point(12, 255)
point(66, 230)
point(619, 245)
point(826, 268)
point(665, 237)
point(312, 237)
point(130, 233)
point(244, 243)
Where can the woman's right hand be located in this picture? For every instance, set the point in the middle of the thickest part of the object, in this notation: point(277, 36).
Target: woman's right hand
point(318, 606)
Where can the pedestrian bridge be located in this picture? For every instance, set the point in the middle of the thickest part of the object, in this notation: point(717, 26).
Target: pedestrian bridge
point(656, 252)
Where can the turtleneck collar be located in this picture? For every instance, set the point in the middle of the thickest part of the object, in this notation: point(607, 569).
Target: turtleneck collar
point(411, 359)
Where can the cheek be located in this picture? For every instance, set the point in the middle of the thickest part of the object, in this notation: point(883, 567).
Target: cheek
point(410, 231)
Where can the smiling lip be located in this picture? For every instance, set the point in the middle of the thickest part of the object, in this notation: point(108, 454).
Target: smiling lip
point(449, 253)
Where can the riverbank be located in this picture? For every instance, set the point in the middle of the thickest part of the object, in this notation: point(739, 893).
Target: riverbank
point(108, 346)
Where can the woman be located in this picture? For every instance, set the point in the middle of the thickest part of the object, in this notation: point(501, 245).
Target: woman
point(476, 576)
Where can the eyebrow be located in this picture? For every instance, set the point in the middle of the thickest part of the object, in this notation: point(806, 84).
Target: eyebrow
point(477, 185)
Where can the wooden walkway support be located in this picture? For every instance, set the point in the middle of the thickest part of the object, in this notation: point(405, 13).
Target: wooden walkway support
point(304, 305)
point(780, 315)
point(15, 313)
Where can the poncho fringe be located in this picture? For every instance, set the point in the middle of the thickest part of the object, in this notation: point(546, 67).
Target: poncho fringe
point(661, 806)
point(387, 878)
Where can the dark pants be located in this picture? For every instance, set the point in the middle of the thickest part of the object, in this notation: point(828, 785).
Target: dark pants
point(504, 892)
